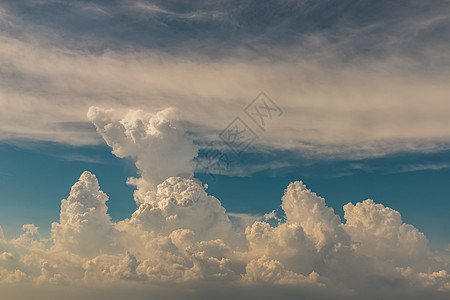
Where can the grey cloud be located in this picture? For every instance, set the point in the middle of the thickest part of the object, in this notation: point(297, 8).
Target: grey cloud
point(351, 28)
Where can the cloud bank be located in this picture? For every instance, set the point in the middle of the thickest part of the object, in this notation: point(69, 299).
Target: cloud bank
point(181, 236)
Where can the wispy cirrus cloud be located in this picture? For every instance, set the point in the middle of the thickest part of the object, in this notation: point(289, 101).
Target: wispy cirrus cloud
point(353, 85)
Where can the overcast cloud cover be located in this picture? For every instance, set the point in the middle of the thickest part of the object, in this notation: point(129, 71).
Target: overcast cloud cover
point(155, 80)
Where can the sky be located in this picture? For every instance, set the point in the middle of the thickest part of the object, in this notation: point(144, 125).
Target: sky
point(160, 149)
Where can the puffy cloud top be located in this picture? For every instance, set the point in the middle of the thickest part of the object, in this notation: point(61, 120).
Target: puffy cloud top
point(182, 203)
point(378, 231)
point(159, 146)
point(309, 210)
point(84, 223)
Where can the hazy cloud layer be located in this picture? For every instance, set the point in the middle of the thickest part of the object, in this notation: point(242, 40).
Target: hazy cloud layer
point(356, 79)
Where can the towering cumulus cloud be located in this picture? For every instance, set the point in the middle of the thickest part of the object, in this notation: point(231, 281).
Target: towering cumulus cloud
point(181, 235)
point(159, 146)
point(84, 226)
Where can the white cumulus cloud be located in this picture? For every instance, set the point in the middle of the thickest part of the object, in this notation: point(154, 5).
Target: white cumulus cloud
point(158, 145)
point(181, 235)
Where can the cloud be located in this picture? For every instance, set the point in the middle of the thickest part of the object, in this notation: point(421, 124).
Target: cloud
point(181, 235)
point(340, 100)
point(318, 221)
point(6, 256)
point(181, 239)
point(84, 224)
point(272, 271)
point(379, 232)
point(436, 280)
point(159, 146)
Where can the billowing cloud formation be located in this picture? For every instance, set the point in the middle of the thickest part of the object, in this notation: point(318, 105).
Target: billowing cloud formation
point(84, 223)
point(159, 146)
point(184, 236)
point(180, 234)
